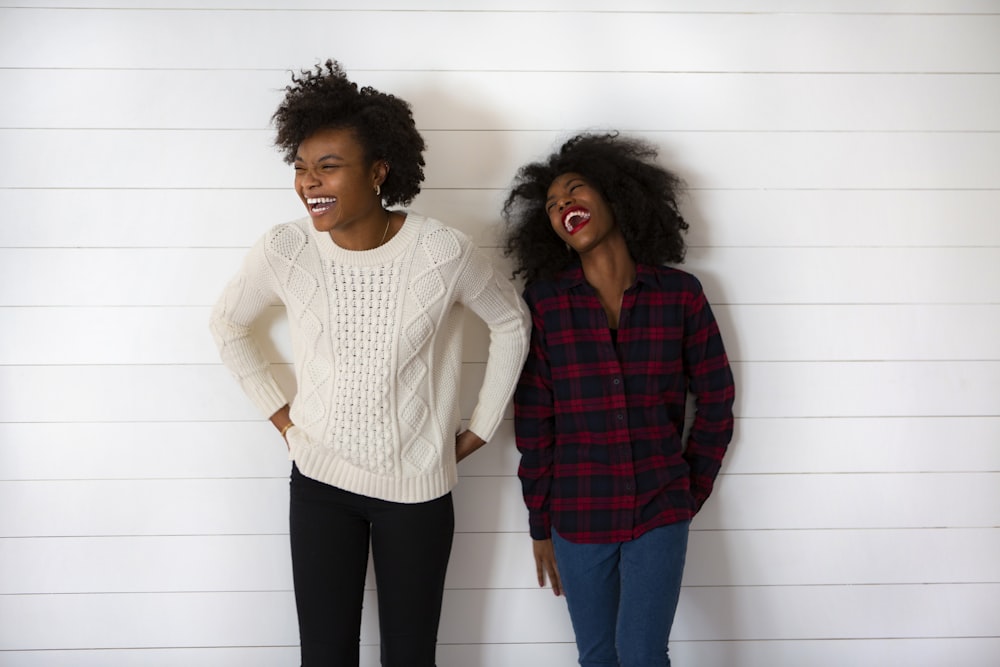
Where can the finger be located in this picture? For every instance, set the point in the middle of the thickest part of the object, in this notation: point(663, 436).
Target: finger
point(556, 582)
point(553, 574)
point(540, 566)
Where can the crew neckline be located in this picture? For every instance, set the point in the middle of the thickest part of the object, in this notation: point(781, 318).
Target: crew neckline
point(382, 254)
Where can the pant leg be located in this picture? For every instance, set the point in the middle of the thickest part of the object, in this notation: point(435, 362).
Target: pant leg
point(329, 539)
point(411, 545)
point(590, 580)
point(651, 570)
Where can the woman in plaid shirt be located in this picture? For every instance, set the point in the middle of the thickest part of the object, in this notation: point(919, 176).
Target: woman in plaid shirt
point(618, 342)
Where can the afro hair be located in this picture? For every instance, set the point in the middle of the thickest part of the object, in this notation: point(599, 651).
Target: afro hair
point(643, 197)
point(324, 98)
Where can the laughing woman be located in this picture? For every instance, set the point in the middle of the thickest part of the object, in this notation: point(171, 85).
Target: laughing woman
point(374, 299)
point(618, 340)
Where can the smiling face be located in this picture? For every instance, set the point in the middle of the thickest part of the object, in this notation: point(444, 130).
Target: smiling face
point(578, 213)
point(337, 183)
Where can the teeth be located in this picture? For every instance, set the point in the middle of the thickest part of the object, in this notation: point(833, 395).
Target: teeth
point(570, 219)
point(320, 200)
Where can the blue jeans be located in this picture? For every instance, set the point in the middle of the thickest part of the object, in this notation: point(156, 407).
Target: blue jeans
point(622, 596)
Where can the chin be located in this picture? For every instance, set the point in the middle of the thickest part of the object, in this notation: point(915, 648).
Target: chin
point(320, 226)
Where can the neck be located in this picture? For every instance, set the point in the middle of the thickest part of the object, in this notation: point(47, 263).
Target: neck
point(370, 234)
point(610, 270)
point(609, 266)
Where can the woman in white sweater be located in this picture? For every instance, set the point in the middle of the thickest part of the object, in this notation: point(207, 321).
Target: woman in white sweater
point(374, 299)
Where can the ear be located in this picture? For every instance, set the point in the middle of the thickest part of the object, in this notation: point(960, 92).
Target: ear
point(380, 172)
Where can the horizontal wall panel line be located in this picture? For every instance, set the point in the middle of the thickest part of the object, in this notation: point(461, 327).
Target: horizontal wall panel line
point(757, 246)
point(502, 531)
point(264, 188)
point(512, 476)
point(212, 591)
point(738, 419)
point(487, 130)
point(876, 360)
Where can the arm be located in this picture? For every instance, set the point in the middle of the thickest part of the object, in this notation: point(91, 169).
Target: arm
point(534, 424)
point(494, 300)
point(534, 428)
point(244, 300)
point(711, 381)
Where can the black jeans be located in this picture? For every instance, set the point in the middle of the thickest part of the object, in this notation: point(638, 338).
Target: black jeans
point(330, 532)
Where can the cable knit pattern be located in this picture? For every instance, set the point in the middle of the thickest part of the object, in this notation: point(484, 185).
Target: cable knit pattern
point(361, 300)
point(426, 289)
point(377, 339)
point(304, 302)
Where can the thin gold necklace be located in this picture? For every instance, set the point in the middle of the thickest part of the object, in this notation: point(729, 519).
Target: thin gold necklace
point(387, 220)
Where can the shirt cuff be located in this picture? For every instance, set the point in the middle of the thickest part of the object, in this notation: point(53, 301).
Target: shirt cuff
point(539, 526)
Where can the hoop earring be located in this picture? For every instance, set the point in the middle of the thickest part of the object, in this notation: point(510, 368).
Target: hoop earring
point(378, 190)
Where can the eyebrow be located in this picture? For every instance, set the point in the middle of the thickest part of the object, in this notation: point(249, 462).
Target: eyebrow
point(331, 156)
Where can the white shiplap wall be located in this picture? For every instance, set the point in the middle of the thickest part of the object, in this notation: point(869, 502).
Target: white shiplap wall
point(844, 164)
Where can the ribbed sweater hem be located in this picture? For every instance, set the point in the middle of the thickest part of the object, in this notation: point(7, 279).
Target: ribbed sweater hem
point(327, 467)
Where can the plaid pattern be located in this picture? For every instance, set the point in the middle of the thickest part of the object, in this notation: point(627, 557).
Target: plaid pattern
point(599, 428)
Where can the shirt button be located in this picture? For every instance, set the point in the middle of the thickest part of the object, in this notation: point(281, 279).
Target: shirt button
point(628, 486)
point(617, 381)
point(620, 416)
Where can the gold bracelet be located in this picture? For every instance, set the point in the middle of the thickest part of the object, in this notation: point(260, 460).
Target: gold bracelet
point(284, 429)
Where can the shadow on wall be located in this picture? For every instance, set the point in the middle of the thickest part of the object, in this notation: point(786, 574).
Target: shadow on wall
point(707, 608)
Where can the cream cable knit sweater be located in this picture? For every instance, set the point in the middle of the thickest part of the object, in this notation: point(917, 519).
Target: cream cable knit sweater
point(377, 341)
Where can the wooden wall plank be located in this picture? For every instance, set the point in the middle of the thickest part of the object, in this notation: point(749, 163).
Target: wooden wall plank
point(190, 393)
point(168, 99)
point(487, 561)
point(96, 38)
point(662, 6)
point(174, 449)
point(196, 276)
point(884, 332)
point(510, 616)
point(203, 450)
point(931, 652)
point(494, 504)
point(871, 444)
point(896, 160)
point(827, 332)
point(235, 218)
point(774, 390)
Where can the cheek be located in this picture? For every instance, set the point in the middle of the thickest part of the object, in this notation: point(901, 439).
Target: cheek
point(556, 223)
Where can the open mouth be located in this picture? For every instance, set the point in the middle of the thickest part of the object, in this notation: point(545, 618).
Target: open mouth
point(574, 218)
point(320, 205)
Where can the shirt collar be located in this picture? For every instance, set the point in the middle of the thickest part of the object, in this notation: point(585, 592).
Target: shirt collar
point(573, 276)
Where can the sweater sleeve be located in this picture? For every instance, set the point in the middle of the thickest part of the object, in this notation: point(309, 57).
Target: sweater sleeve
point(494, 300)
point(710, 379)
point(243, 301)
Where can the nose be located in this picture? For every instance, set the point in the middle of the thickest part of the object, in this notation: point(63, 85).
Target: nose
point(308, 178)
point(563, 202)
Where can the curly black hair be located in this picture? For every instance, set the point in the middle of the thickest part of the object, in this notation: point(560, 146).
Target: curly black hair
point(324, 98)
point(643, 197)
